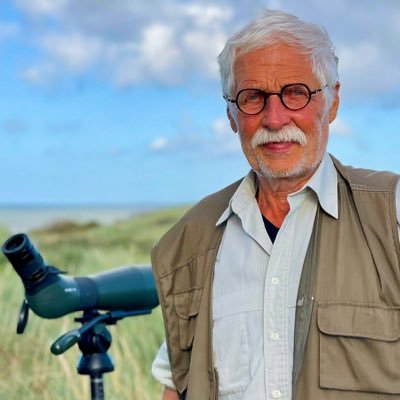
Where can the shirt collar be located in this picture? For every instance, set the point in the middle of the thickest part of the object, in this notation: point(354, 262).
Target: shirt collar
point(323, 183)
point(244, 194)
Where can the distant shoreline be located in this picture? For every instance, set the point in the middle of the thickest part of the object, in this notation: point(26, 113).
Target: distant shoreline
point(24, 218)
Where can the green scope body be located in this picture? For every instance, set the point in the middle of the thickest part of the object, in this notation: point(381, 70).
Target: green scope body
point(52, 294)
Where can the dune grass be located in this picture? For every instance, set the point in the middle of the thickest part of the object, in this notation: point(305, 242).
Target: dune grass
point(28, 370)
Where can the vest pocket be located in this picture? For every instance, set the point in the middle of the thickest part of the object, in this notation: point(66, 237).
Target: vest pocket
point(187, 307)
point(359, 347)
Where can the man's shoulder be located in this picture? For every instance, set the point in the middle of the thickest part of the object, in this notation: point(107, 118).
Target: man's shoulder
point(366, 179)
point(195, 233)
point(200, 220)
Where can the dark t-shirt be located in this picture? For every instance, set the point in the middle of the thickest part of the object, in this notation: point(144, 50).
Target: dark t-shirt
point(271, 229)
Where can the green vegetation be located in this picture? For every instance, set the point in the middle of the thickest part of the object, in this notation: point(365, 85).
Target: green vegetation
point(28, 370)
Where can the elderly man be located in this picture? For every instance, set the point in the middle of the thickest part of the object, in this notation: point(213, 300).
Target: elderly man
point(285, 284)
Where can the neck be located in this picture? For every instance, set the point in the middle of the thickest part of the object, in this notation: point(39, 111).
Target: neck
point(272, 197)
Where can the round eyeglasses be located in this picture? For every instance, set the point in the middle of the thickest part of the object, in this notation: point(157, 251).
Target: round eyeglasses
point(294, 96)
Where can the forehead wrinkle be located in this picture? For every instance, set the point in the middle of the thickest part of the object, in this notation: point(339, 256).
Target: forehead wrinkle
point(270, 68)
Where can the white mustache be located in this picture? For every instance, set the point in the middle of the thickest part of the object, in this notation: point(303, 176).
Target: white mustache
point(286, 134)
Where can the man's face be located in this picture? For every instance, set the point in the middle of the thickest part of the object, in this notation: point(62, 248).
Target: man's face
point(269, 69)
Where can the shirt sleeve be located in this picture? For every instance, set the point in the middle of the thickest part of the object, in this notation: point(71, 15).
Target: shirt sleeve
point(161, 368)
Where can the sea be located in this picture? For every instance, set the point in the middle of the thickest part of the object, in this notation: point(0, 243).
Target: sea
point(18, 219)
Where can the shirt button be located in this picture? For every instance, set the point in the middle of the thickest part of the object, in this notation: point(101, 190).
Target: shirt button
point(275, 280)
point(275, 336)
point(276, 394)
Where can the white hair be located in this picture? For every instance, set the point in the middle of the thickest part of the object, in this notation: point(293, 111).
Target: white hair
point(273, 27)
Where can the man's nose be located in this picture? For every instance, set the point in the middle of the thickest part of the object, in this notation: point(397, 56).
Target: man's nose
point(275, 114)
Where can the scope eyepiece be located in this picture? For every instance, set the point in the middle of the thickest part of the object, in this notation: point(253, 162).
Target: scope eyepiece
point(26, 260)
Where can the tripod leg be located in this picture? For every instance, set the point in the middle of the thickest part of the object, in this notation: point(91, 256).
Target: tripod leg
point(97, 386)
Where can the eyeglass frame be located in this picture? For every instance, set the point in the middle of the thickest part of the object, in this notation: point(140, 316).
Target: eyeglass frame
point(266, 95)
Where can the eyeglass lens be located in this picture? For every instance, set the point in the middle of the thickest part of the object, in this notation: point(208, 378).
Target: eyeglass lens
point(294, 97)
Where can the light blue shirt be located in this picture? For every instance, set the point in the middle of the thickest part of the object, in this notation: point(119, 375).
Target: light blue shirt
point(255, 290)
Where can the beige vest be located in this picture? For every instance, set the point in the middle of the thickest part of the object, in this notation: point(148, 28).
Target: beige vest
point(347, 323)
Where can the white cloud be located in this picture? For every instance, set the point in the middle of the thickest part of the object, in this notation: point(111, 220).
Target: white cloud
point(207, 16)
point(38, 8)
point(204, 51)
point(356, 57)
point(66, 53)
point(155, 56)
point(158, 144)
point(221, 127)
point(340, 127)
point(131, 42)
point(226, 141)
point(158, 50)
point(73, 51)
point(367, 69)
point(218, 141)
point(39, 74)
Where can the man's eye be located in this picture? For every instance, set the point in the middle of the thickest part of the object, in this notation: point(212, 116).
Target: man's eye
point(253, 97)
point(296, 92)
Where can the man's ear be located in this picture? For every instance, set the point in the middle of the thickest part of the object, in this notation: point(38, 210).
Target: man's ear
point(335, 103)
point(231, 120)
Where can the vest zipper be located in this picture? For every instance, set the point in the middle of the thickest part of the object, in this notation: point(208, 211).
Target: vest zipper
point(216, 384)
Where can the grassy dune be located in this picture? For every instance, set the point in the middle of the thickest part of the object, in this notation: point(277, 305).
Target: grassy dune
point(28, 370)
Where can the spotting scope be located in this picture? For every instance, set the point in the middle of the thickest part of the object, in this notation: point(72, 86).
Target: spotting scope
point(50, 293)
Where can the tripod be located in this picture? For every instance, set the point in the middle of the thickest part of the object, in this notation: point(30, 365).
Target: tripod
point(51, 294)
point(94, 339)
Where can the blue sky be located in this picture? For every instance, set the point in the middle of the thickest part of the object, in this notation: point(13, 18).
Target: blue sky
point(111, 102)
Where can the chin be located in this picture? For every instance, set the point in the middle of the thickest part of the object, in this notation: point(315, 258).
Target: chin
point(282, 174)
point(301, 169)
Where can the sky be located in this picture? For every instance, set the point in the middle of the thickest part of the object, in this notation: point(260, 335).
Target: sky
point(119, 102)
